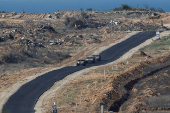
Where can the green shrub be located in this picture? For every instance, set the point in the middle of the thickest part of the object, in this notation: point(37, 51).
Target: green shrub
point(160, 10)
point(152, 9)
point(84, 15)
point(89, 9)
point(126, 7)
point(13, 58)
point(69, 22)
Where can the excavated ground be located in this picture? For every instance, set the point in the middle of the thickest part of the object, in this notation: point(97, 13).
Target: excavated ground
point(132, 91)
point(142, 88)
point(146, 85)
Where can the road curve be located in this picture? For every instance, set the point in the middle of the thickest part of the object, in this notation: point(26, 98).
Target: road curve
point(24, 100)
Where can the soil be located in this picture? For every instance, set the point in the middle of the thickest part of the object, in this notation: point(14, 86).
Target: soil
point(20, 29)
point(131, 73)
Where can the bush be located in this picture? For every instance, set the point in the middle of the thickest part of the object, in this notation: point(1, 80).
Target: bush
point(65, 55)
point(58, 56)
point(28, 54)
point(126, 7)
point(152, 9)
point(81, 9)
point(160, 10)
point(79, 24)
point(84, 15)
point(89, 9)
point(13, 58)
point(69, 22)
point(146, 7)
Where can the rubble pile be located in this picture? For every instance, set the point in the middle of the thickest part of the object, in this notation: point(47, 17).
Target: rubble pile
point(145, 27)
point(38, 43)
point(136, 27)
point(33, 35)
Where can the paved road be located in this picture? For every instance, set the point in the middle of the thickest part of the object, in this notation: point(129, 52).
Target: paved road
point(24, 100)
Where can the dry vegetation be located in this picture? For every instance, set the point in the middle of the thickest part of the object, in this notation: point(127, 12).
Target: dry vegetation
point(34, 43)
point(131, 85)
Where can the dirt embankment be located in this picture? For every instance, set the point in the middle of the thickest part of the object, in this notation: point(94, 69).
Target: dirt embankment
point(11, 81)
point(107, 35)
point(95, 49)
point(116, 92)
point(130, 95)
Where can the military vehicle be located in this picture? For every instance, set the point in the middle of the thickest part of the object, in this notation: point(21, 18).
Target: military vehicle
point(81, 62)
point(97, 57)
point(90, 59)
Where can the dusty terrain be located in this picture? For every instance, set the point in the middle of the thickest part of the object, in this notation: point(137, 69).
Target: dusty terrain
point(68, 99)
point(33, 44)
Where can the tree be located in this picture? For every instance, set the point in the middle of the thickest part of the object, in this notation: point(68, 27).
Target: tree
point(81, 9)
point(84, 15)
point(152, 9)
point(89, 9)
point(78, 24)
point(69, 22)
point(160, 10)
point(23, 11)
point(146, 7)
point(126, 7)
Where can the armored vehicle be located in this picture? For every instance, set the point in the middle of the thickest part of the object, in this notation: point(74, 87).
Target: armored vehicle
point(97, 57)
point(90, 60)
point(81, 62)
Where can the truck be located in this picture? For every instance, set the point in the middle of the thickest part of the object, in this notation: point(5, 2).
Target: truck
point(81, 62)
point(90, 59)
point(97, 57)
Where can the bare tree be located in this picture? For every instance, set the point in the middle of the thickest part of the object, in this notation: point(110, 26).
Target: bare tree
point(160, 10)
point(146, 7)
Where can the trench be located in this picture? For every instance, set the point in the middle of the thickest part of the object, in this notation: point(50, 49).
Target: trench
point(115, 107)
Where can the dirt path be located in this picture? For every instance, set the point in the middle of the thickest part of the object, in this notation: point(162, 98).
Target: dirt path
point(12, 20)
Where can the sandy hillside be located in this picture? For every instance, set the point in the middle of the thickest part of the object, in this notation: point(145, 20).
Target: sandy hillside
point(32, 44)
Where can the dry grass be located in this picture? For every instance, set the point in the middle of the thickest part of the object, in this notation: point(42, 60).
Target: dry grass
point(93, 87)
point(14, 73)
point(89, 87)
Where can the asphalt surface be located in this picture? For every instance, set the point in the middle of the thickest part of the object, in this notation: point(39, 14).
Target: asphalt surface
point(24, 100)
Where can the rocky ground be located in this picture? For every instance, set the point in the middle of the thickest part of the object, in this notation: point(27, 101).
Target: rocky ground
point(125, 88)
point(35, 40)
point(34, 43)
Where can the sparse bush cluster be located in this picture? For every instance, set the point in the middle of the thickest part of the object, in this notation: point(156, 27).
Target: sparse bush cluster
point(73, 23)
point(157, 10)
point(89, 9)
point(2, 11)
point(160, 10)
point(144, 8)
point(69, 22)
point(13, 58)
point(126, 7)
point(33, 57)
point(123, 7)
point(84, 15)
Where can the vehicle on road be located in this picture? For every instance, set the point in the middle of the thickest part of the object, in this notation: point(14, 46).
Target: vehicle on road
point(97, 57)
point(81, 62)
point(90, 59)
